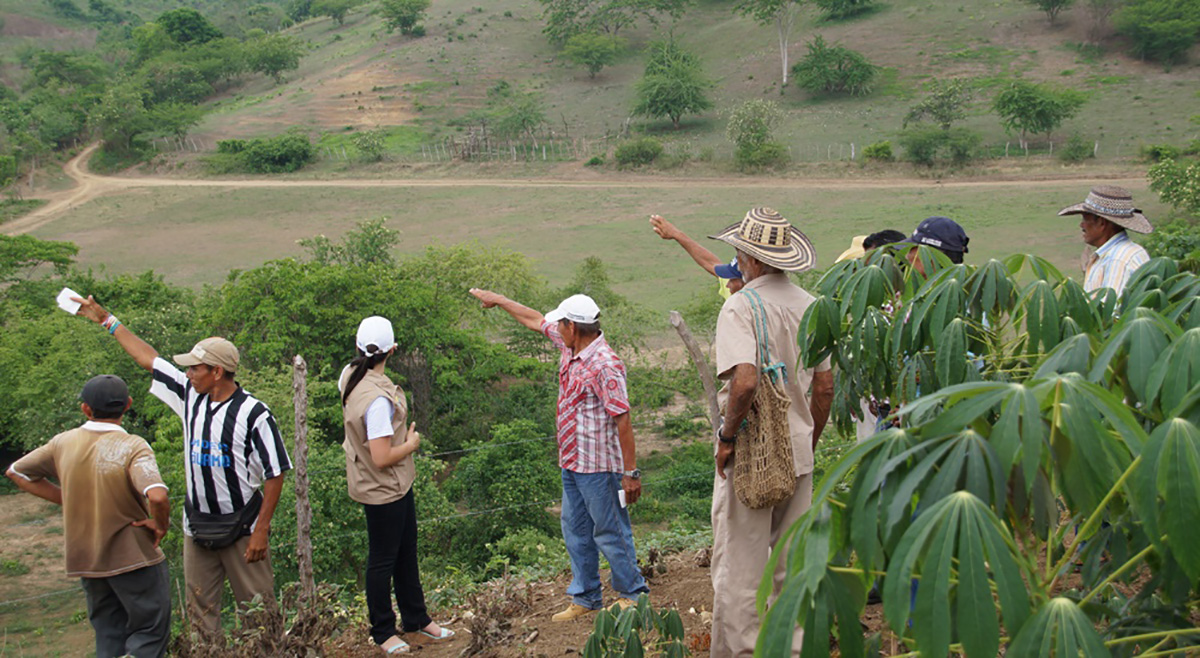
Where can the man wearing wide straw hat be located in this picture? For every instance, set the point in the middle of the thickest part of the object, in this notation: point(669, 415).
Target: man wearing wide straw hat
point(767, 248)
point(1107, 213)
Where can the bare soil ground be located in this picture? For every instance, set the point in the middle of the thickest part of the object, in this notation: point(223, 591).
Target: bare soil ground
point(31, 566)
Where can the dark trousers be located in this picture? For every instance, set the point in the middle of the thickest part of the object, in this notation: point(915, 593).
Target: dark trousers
point(392, 561)
point(131, 612)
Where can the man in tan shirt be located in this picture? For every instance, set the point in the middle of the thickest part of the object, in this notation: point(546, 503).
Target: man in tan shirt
point(115, 513)
point(743, 538)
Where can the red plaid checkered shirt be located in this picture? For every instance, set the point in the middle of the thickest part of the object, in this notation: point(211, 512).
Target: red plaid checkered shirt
point(591, 392)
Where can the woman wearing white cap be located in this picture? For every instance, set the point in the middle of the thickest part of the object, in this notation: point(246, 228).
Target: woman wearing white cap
point(380, 474)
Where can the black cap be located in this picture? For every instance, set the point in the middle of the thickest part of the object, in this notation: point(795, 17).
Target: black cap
point(941, 232)
point(105, 393)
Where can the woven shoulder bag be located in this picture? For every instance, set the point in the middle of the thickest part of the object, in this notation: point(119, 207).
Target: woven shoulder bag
point(763, 466)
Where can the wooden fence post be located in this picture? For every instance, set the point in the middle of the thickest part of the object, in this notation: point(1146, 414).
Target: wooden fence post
point(701, 363)
point(308, 588)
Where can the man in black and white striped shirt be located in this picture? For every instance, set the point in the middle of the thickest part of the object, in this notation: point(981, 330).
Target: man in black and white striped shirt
point(232, 449)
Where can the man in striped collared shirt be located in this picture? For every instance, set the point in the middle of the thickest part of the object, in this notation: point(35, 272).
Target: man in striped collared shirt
point(596, 450)
point(1106, 214)
point(232, 448)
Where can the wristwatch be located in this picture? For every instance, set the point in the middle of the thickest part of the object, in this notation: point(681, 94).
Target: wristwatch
point(635, 474)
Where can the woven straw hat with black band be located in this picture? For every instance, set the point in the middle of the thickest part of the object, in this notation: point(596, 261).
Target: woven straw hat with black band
point(1114, 204)
point(767, 236)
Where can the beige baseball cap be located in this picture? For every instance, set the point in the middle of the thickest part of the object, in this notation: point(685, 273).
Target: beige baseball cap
point(215, 351)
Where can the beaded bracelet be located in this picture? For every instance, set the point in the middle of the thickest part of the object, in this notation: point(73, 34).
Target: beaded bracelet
point(113, 329)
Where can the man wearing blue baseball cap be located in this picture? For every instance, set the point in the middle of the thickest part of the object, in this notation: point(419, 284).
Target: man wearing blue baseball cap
point(941, 233)
point(703, 257)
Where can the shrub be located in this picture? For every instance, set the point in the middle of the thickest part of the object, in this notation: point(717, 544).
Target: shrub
point(402, 15)
point(963, 145)
point(921, 145)
point(1179, 240)
point(1177, 183)
point(838, 9)
point(1077, 149)
point(231, 146)
point(1159, 152)
point(1162, 30)
point(370, 144)
point(595, 161)
point(751, 124)
point(761, 156)
point(638, 152)
point(592, 51)
point(879, 151)
point(925, 146)
point(834, 69)
point(272, 155)
point(279, 154)
point(673, 84)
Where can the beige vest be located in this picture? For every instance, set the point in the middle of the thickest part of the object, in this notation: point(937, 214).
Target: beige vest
point(367, 483)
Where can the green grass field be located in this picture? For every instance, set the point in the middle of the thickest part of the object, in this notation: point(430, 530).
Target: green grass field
point(196, 235)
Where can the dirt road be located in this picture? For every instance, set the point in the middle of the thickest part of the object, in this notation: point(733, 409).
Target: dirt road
point(90, 186)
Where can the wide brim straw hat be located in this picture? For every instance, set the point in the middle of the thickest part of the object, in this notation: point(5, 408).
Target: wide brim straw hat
point(767, 236)
point(1114, 204)
point(856, 250)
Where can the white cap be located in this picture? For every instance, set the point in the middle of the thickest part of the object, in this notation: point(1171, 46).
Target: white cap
point(576, 308)
point(375, 336)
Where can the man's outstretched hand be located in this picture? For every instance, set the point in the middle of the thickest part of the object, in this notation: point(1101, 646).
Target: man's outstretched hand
point(487, 297)
point(665, 230)
point(90, 309)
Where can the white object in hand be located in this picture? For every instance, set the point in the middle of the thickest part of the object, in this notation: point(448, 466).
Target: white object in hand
point(65, 302)
point(621, 497)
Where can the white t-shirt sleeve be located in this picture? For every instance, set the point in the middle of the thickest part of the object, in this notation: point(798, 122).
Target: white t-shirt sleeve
point(169, 384)
point(379, 419)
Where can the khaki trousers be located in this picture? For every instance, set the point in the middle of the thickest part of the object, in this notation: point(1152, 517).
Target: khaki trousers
point(205, 571)
point(742, 542)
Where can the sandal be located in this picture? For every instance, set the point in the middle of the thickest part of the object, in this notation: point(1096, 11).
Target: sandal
point(444, 634)
point(400, 647)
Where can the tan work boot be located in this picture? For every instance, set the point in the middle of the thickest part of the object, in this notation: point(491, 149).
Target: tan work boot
point(625, 603)
point(573, 611)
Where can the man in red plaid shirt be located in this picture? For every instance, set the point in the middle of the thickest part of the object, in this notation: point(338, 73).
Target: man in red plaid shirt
point(596, 450)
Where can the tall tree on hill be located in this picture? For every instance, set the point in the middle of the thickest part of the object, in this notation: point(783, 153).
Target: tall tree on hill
point(780, 13)
point(1027, 107)
point(1051, 7)
point(567, 18)
point(402, 15)
point(946, 103)
point(673, 85)
point(188, 26)
point(335, 9)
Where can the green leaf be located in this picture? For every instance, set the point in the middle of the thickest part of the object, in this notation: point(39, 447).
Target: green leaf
point(1059, 629)
point(867, 288)
point(990, 290)
point(1142, 335)
point(1041, 316)
point(1073, 354)
point(1176, 372)
point(961, 531)
point(977, 625)
point(951, 356)
point(633, 646)
point(1178, 484)
point(778, 626)
point(819, 330)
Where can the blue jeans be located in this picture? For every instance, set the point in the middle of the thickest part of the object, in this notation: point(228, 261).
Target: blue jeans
point(593, 521)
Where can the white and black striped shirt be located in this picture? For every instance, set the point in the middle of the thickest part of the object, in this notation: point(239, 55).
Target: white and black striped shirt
point(230, 447)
